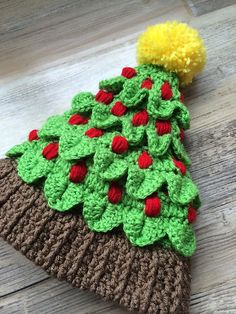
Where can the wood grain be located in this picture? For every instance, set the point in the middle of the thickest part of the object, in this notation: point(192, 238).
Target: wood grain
point(50, 50)
point(45, 31)
point(200, 7)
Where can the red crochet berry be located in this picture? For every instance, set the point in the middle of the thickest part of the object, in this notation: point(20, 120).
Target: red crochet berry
point(118, 109)
point(152, 206)
point(128, 72)
point(93, 132)
point(166, 92)
point(77, 119)
point(182, 97)
point(192, 214)
point(140, 118)
point(50, 151)
point(147, 83)
point(78, 172)
point(104, 97)
point(144, 160)
point(163, 127)
point(114, 193)
point(181, 134)
point(179, 164)
point(119, 144)
point(33, 135)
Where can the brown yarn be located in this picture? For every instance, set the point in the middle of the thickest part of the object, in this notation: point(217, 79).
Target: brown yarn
point(148, 280)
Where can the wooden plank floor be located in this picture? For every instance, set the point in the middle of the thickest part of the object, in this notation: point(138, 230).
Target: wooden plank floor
point(50, 50)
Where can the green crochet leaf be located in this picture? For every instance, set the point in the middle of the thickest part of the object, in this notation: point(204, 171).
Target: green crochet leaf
point(60, 192)
point(102, 117)
point(32, 165)
point(179, 150)
point(74, 144)
point(182, 115)
point(132, 95)
point(157, 73)
point(172, 210)
point(82, 103)
point(143, 182)
point(134, 134)
point(158, 145)
point(181, 188)
point(109, 165)
point(99, 213)
point(54, 126)
point(18, 150)
point(114, 85)
point(181, 236)
point(162, 109)
point(140, 229)
point(177, 145)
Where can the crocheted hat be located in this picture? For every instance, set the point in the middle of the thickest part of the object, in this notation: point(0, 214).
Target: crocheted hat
point(101, 196)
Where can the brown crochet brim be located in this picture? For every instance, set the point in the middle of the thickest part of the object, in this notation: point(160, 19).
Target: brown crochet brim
point(148, 280)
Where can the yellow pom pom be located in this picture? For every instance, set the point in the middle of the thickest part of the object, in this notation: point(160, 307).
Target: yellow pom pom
point(175, 46)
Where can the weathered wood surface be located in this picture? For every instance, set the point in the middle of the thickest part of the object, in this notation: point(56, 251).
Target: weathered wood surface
point(49, 50)
point(200, 7)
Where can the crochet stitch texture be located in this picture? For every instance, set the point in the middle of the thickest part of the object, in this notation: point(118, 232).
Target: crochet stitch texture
point(119, 154)
point(149, 280)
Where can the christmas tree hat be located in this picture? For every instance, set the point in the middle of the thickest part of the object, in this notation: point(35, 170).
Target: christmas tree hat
point(101, 195)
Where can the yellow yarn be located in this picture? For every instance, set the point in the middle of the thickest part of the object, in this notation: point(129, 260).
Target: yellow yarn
point(175, 46)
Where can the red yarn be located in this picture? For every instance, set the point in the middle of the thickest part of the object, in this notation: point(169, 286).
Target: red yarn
point(33, 135)
point(147, 83)
point(166, 92)
point(93, 132)
point(104, 97)
point(114, 193)
point(118, 109)
point(144, 160)
point(119, 144)
point(50, 151)
point(181, 134)
point(179, 164)
point(182, 97)
point(78, 172)
point(192, 214)
point(128, 72)
point(163, 127)
point(140, 118)
point(78, 119)
point(152, 206)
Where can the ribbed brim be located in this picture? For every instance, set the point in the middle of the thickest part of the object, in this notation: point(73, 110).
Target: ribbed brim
point(148, 280)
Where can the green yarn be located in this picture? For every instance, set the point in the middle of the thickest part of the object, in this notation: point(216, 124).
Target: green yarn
point(163, 178)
